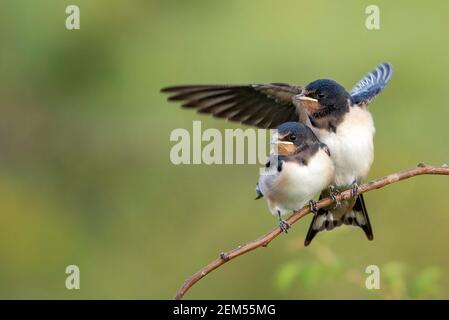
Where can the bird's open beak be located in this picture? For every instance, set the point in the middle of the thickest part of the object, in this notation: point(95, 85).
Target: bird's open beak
point(311, 105)
point(280, 147)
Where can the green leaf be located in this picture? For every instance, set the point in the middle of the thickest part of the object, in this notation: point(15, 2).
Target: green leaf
point(427, 283)
point(394, 279)
point(286, 275)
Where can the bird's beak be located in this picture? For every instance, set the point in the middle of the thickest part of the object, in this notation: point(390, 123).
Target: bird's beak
point(280, 147)
point(311, 105)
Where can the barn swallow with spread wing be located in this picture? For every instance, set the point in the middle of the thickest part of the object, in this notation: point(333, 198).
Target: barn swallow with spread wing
point(340, 119)
point(299, 170)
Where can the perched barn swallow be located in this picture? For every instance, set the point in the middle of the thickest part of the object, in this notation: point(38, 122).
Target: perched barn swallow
point(338, 118)
point(297, 173)
point(342, 121)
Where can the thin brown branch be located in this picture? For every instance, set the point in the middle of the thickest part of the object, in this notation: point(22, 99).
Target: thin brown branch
point(263, 241)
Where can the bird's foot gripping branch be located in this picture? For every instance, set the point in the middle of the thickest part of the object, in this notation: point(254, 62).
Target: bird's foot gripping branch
point(263, 241)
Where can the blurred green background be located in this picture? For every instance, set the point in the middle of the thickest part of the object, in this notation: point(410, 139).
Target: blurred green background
point(85, 175)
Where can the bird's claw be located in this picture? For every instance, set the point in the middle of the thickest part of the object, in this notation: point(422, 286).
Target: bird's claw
point(313, 208)
point(333, 194)
point(284, 225)
point(354, 190)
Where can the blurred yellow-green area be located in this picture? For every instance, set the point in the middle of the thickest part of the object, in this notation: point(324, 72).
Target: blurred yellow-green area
point(85, 173)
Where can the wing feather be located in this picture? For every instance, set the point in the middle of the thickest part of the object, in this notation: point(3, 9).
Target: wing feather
point(372, 84)
point(260, 105)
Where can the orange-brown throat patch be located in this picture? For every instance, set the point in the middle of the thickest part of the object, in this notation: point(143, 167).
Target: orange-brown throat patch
point(312, 105)
point(284, 148)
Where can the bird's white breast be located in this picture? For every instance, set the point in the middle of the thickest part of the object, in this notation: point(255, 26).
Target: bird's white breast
point(351, 146)
point(296, 184)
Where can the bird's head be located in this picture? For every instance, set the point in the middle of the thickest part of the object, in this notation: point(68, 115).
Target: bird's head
point(291, 136)
point(323, 97)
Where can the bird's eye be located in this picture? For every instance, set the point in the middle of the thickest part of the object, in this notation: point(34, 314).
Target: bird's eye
point(321, 95)
point(292, 137)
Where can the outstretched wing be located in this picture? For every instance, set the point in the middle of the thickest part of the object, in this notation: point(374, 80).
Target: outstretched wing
point(372, 84)
point(260, 105)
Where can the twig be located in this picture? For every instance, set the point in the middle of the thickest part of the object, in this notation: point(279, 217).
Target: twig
point(267, 238)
